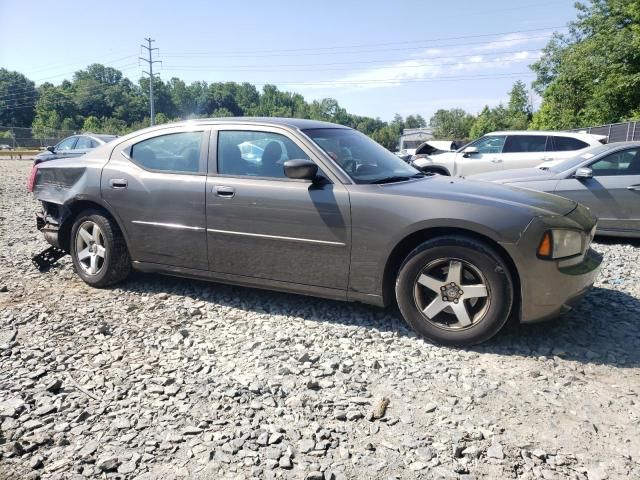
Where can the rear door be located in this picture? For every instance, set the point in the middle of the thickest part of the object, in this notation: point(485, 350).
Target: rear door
point(523, 151)
point(262, 224)
point(613, 194)
point(156, 185)
point(559, 147)
point(487, 159)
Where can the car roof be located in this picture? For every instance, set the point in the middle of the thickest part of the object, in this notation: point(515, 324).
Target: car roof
point(546, 132)
point(298, 123)
point(99, 136)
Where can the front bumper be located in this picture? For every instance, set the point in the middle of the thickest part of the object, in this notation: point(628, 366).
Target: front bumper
point(551, 290)
point(552, 287)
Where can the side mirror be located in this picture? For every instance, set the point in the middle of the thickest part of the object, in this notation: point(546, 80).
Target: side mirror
point(300, 169)
point(51, 149)
point(467, 152)
point(583, 173)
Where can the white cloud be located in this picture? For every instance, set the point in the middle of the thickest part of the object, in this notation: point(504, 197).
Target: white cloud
point(435, 63)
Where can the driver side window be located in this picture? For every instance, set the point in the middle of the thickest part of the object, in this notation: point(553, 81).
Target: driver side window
point(175, 152)
point(620, 163)
point(490, 144)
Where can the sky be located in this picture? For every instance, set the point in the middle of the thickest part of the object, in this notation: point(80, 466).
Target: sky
point(377, 58)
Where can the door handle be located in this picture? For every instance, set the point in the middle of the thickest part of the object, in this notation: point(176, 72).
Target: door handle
point(118, 183)
point(496, 160)
point(634, 187)
point(225, 192)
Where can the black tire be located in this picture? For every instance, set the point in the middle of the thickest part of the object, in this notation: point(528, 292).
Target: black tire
point(115, 264)
point(480, 266)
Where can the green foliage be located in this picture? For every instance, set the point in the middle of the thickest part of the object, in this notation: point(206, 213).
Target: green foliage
point(101, 100)
point(454, 124)
point(17, 96)
point(591, 75)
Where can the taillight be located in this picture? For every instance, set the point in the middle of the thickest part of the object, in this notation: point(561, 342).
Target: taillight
point(32, 178)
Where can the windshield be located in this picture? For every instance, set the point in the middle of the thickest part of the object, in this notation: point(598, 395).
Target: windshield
point(573, 162)
point(363, 159)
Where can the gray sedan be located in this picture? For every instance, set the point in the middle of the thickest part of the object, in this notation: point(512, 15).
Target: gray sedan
point(605, 178)
point(318, 209)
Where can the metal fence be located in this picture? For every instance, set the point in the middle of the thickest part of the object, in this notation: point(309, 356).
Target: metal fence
point(20, 137)
point(615, 132)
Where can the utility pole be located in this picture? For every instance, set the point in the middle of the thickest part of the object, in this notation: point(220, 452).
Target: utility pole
point(150, 61)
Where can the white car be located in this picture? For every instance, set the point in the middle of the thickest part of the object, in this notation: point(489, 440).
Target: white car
point(507, 150)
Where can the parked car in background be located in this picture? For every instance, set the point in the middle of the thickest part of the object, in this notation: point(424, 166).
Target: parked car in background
point(506, 150)
point(320, 210)
point(605, 178)
point(74, 146)
point(5, 146)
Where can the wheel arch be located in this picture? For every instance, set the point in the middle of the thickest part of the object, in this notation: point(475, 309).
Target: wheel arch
point(436, 169)
point(413, 240)
point(74, 208)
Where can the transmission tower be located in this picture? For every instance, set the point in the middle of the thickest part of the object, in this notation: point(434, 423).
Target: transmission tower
point(150, 61)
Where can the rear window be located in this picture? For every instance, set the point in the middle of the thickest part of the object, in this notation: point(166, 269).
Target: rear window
point(525, 143)
point(565, 144)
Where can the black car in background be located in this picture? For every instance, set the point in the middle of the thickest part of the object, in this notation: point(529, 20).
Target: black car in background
point(74, 146)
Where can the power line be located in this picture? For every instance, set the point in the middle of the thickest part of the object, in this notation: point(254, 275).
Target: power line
point(150, 61)
point(331, 50)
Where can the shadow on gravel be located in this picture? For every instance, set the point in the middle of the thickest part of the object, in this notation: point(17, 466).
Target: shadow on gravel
point(603, 329)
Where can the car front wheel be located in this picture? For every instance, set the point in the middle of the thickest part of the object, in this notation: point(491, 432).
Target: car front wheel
point(98, 249)
point(455, 291)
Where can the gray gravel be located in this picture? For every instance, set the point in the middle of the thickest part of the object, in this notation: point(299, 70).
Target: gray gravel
point(171, 378)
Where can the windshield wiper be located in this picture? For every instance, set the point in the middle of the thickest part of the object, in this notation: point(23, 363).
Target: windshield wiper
point(397, 178)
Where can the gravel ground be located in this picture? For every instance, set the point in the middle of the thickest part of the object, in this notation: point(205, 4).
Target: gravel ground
point(171, 378)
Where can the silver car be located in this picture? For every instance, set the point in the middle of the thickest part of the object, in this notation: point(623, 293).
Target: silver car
point(605, 178)
point(319, 209)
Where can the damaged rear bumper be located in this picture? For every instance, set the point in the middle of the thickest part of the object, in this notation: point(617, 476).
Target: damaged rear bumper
point(50, 228)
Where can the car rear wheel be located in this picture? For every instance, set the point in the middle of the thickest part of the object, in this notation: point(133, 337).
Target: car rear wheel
point(98, 249)
point(455, 291)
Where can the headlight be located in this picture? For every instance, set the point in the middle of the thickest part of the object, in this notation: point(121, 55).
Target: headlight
point(560, 244)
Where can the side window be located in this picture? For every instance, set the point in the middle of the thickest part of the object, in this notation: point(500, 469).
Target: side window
point(489, 144)
point(84, 143)
point(525, 143)
point(258, 154)
point(566, 144)
point(174, 152)
point(67, 144)
point(621, 163)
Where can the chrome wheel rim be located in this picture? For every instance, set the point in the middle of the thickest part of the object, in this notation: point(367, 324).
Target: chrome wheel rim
point(90, 248)
point(452, 294)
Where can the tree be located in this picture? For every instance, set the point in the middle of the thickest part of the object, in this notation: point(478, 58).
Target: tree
point(18, 96)
point(518, 110)
point(414, 121)
point(454, 124)
point(591, 75)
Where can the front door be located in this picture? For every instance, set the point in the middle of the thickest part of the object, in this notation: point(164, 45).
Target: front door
point(155, 183)
point(613, 194)
point(262, 224)
point(486, 159)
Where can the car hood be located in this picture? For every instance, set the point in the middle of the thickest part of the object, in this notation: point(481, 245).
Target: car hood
point(476, 192)
point(514, 176)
